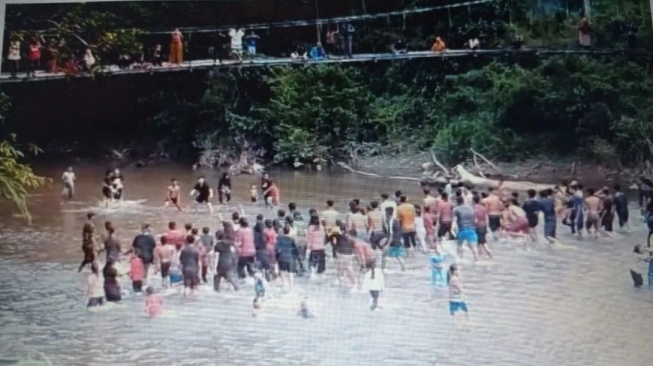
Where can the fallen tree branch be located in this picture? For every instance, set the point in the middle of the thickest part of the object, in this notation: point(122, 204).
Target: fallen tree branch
point(438, 164)
point(347, 167)
point(486, 160)
point(470, 179)
point(532, 170)
point(478, 168)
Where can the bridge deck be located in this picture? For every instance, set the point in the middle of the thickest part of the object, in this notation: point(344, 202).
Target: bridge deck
point(271, 62)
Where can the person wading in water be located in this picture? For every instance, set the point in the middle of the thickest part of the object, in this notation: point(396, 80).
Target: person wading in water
point(173, 196)
point(89, 246)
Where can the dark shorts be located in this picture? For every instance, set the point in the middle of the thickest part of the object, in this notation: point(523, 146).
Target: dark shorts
point(174, 200)
point(370, 264)
point(375, 238)
point(201, 199)
point(285, 266)
point(481, 233)
point(95, 301)
point(532, 221)
point(137, 286)
point(165, 269)
point(443, 229)
point(253, 199)
point(106, 192)
point(191, 279)
point(494, 221)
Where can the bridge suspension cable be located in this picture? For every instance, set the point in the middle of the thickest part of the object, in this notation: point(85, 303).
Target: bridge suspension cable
point(312, 22)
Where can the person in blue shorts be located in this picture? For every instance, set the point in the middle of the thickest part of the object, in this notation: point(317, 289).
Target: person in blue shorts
point(438, 270)
point(392, 231)
point(466, 222)
point(456, 299)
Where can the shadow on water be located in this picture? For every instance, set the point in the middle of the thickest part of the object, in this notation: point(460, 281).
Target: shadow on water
point(568, 305)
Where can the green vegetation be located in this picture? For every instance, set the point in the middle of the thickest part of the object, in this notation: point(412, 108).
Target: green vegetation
point(16, 178)
point(511, 108)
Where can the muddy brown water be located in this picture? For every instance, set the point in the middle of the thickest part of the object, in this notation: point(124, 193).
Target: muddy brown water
point(568, 305)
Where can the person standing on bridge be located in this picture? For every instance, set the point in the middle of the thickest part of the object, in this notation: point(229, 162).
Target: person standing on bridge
point(439, 45)
point(218, 42)
point(236, 43)
point(176, 47)
point(13, 56)
point(251, 40)
point(348, 34)
point(34, 56)
point(584, 36)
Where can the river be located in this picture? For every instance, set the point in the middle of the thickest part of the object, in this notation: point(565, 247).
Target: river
point(569, 305)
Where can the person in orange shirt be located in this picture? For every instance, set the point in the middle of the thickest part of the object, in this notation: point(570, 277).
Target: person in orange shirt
point(406, 215)
point(439, 45)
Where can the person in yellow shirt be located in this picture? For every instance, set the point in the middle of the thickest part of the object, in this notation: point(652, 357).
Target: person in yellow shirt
point(439, 45)
point(406, 215)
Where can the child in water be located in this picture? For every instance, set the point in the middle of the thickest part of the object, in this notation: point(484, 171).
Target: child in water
point(153, 302)
point(438, 272)
point(260, 285)
point(374, 281)
point(253, 194)
point(304, 309)
point(136, 272)
point(257, 305)
point(456, 298)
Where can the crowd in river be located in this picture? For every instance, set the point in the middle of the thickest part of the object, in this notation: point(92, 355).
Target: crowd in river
point(271, 251)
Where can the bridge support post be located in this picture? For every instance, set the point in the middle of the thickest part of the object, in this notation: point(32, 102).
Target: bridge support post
point(587, 8)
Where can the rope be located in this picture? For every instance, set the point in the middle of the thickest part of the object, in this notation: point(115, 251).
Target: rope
point(323, 21)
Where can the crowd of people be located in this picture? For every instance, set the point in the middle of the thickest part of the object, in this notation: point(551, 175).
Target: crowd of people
point(234, 44)
point(359, 243)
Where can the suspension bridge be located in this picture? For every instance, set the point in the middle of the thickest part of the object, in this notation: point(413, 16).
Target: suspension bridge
point(208, 64)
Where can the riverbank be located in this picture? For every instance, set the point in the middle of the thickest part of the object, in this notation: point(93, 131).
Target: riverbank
point(536, 170)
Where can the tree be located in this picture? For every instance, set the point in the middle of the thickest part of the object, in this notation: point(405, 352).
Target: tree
point(317, 111)
point(16, 178)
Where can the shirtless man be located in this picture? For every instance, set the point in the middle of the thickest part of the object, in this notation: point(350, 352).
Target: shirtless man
point(518, 226)
point(68, 179)
point(375, 224)
point(429, 200)
point(89, 246)
point(173, 196)
point(494, 206)
point(593, 206)
point(356, 221)
point(163, 255)
point(445, 216)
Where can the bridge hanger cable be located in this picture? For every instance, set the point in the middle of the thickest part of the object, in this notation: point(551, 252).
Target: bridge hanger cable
point(311, 22)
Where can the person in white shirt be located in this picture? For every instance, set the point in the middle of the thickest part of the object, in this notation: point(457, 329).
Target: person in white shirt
point(89, 59)
point(389, 203)
point(68, 179)
point(237, 42)
point(374, 282)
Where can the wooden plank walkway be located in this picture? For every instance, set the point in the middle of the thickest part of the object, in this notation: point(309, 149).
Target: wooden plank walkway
point(276, 62)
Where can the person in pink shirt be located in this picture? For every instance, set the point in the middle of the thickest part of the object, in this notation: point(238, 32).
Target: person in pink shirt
point(245, 249)
point(445, 214)
point(174, 236)
point(136, 272)
point(480, 213)
point(153, 302)
point(270, 244)
point(429, 225)
point(364, 253)
point(316, 244)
